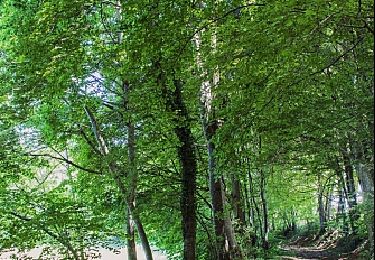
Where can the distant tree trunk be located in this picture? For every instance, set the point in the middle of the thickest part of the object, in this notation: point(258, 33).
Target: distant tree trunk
point(321, 208)
point(236, 201)
point(365, 172)
point(368, 191)
point(341, 216)
point(248, 216)
point(256, 207)
point(328, 203)
point(234, 251)
point(322, 215)
point(350, 192)
point(216, 190)
point(266, 244)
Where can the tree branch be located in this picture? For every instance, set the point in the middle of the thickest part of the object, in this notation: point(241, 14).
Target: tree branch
point(67, 161)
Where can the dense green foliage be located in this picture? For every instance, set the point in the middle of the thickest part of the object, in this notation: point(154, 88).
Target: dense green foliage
point(275, 97)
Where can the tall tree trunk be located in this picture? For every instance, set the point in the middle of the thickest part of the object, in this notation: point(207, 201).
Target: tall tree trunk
point(188, 204)
point(210, 125)
point(188, 161)
point(216, 190)
point(133, 175)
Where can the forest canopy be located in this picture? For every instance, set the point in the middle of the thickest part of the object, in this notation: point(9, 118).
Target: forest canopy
point(216, 130)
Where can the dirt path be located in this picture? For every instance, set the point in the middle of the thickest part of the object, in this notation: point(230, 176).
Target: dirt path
point(309, 253)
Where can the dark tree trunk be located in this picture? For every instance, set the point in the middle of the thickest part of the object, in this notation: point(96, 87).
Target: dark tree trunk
point(322, 214)
point(216, 189)
point(188, 161)
point(188, 201)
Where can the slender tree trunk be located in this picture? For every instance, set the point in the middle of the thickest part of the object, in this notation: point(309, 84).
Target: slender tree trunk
point(328, 203)
point(132, 253)
point(350, 192)
point(216, 190)
point(141, 232)
point(322, 215)
point(341, 216)
point(236, 201)
point(265, 210)
point(365, 174)
point(138, 223)
point(117, 177)
point(255, 205)
point(133, 174)
point(321, 208)
point(234, 251)
point(210, 125)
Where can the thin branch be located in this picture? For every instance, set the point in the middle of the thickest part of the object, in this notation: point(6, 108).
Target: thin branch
point(88, 141)
point(67, 162)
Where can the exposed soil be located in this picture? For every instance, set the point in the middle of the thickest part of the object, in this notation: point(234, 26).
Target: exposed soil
point(330, 246)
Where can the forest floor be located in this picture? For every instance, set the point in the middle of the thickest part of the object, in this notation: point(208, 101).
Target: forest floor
point(330, 246)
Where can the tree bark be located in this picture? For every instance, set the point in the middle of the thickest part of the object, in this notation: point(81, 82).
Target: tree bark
point(188, 161)
point(266, 244)
point(322, 215)
point(188, 201)
point(255, 205)
point(350, 191)
point(236, 201)
point(341, 216)
point(132, 252)
point(321, 208)
point(210, 126)
point(365, 175)
point(141, 232)
point(133, 175)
